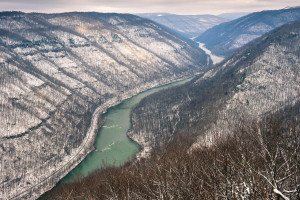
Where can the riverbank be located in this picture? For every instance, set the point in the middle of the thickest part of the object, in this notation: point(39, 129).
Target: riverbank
point(140, 139)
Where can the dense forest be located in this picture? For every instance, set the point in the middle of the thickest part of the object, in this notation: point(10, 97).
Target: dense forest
point(258, 160)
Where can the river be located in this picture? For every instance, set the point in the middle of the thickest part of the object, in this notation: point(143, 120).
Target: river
point(214, 58)
point(112, 146)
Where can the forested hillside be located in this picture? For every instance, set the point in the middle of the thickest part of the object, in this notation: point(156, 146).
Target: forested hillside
point(262, 77)
point(59, 72)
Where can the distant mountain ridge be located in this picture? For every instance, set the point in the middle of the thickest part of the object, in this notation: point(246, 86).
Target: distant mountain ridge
point(225, 38)
point(188, 26)
point(59, 72)
point(233, 15)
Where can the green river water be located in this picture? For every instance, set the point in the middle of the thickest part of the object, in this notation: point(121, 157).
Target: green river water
point(112, 146)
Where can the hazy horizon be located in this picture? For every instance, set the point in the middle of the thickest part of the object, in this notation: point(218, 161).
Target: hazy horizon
point(187, 7)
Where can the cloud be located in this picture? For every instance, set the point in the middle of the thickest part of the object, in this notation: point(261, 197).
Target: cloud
point(142, 6)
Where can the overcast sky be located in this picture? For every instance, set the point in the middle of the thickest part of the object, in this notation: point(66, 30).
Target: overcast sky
point(146, 6)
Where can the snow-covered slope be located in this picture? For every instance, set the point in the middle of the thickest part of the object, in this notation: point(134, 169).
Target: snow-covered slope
point(262, 77)
point(225, 38)
point(56, 69)
point(189, 26)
